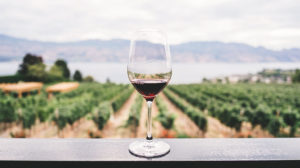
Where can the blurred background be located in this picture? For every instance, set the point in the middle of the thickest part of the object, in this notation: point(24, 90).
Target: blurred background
point(235, 68)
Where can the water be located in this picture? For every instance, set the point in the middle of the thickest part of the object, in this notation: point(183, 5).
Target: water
point(182, 72)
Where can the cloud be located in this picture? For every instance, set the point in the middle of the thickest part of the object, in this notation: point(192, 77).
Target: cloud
point(273, 24)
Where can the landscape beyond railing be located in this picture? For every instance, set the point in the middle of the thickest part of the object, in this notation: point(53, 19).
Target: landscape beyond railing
point(282, 152)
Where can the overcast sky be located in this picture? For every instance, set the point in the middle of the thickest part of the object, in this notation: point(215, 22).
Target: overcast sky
point(273, 24)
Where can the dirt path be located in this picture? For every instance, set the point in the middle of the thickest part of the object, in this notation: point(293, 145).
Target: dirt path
point(44, 130)
point(216, 129)
point(39, 130)
point(114, 128)
point(257, 132)
point(80, 129)
point(11, 129)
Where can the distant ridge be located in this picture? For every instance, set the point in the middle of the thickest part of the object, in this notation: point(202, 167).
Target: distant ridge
point(13, 49)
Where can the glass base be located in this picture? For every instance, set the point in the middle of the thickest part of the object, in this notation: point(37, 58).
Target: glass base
point(149, 148)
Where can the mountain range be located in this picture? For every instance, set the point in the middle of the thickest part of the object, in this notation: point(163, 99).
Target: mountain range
point(116, 50)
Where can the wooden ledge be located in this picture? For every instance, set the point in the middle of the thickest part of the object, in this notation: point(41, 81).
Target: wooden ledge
point(272, 152)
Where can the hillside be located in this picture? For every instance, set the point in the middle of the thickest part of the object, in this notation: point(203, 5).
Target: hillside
point(116, 50)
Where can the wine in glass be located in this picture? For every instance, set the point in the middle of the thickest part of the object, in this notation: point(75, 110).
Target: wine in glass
point(149, 70)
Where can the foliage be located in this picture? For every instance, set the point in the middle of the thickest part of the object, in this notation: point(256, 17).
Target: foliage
point(195, 114)
point(164, 116)
point(135, 112)
point(77, 76)
point(101, 114)
point(296, 76)
point(271, 106)
point(64, 108)
point(121, 99)
point(61, 117)
point(230, 116)
point(33, 69)
point(64, 67)
point(11, 79)
point(55, 73)
point(88, 98)
point(7, 110)
point(29, 59)
point(28, 117)
point(36, 72)
point(88, 79)
point(262, 116)
point(274, 125)
point(291, 118)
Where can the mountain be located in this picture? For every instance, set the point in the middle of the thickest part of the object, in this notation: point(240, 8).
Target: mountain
point(116, 50)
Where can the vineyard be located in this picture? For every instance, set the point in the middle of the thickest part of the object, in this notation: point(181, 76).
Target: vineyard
point(96, 110)
point(274, 108)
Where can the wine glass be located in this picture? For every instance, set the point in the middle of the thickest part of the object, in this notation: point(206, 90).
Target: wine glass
point(149, 70)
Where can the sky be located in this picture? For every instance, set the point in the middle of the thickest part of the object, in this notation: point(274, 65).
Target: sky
point(274, 24)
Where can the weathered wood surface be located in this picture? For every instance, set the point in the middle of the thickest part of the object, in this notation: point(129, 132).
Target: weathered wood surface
point(62, 87)
point(21, 87)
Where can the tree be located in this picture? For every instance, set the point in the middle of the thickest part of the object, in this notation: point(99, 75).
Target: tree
point(63, 65)
point(88, 79)
point(296, 76)
point(55, 73)
point(29, 59)
point(36, 72)
point(77, 76)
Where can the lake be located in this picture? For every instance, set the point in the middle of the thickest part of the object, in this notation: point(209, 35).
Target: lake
point(182, 72)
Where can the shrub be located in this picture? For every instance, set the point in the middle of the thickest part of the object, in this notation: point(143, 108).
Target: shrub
point(164, 116)
point(28, 117)
point(196, 115)
point(135, 112)
point(120, 100)
point(102, 114)
point(7, 110)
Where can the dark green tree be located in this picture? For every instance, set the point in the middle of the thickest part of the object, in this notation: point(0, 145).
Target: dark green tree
point(32, 68)
point(63, 65)
point(296, 76)
point(29, 59)
point(77, 76)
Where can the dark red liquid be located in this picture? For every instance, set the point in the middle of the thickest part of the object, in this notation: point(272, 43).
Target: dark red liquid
point(149, 87)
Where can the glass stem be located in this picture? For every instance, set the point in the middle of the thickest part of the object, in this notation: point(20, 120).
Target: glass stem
point(149, 121)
